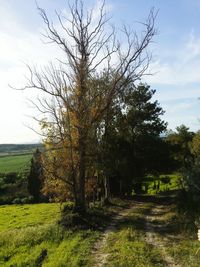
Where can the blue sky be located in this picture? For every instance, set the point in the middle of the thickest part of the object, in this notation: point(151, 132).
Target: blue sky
point(176, 58)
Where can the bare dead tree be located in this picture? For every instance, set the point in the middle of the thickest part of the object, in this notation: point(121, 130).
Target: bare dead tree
point(77, 99)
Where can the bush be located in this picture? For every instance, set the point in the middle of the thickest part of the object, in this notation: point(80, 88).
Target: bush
point(27, 200)
point(17, 201)
point(191, 179)
point(10, 178)
point(166, 180)
point(13, 188)
point(5, 200)
point(94, 218)
point(23, 200)
point(70, 219)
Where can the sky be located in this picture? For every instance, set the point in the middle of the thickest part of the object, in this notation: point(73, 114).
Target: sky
point(175, 64)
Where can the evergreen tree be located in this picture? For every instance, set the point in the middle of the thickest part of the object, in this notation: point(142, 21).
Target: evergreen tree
point(133, 140)
point(180, 142)
point(35, 176)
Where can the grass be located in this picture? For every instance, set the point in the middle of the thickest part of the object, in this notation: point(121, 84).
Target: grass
point(186, 252)
point(14, 163)
point(178, 235)
point(22, 216)
point(46, 245)
point(185, 248)
point(30, 236)
point(127, 246)
point(159, 184)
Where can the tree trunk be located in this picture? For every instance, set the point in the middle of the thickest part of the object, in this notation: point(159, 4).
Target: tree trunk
point(106, 199)
point(80, 191)
point(120, 187)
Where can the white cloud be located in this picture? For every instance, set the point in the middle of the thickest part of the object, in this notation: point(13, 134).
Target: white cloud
point(183, 65)
point(193, 46)
point(170, 92)
point(180, 107)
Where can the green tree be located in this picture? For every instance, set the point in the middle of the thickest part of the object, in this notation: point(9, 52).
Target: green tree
point(180, 146)
point(35, 177)
point(133, 139)
point(195, 146)
point(192, 172)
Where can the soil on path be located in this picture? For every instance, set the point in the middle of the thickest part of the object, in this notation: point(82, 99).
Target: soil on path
point(99, 255)
point(156, 228)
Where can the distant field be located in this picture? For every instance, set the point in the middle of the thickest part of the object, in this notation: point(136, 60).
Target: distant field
point(14, 163)
point(10, 149)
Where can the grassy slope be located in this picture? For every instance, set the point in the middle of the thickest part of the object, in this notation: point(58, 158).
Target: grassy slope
point(21, 216)
point(14, 163)
point(30, 237)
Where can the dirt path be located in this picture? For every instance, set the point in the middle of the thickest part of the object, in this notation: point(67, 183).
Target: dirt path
point(155, 227)
point(156, 232)
point(99, 255)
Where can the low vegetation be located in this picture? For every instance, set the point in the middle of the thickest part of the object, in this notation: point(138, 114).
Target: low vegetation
point(162, 183)
point(46, 245)
point(186, 252)
point(31, 236)
point(169, 233)
point(128, 245)
point(21, 216)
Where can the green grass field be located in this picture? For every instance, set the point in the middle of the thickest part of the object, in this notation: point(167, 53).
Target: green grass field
point(20, 216)
point(30, 236)
point(14, 163)
point(153, 185)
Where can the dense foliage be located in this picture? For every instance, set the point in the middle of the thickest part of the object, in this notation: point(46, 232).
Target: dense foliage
point(131, 145)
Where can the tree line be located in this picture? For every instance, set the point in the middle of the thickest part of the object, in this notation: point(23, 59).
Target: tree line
point(125, 157)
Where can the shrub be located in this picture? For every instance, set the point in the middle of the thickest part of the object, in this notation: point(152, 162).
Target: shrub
point(166, 179)
point(10, 178)
point(17, 201)
point(27, 200)
point(94, 218)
